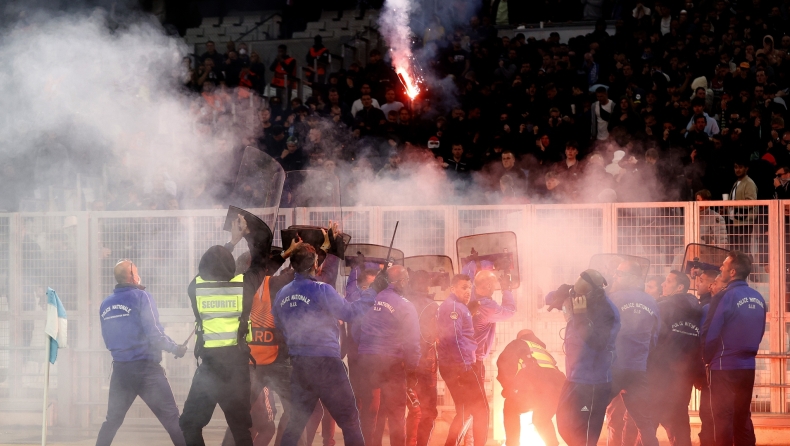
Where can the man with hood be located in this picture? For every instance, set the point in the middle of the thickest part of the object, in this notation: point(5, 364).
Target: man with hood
point(530, 381)
point(223, 376)
point(674, 363)
point(593, 324)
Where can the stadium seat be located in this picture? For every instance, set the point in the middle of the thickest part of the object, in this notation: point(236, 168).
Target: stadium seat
point(209, 21)
point(301, 35)
point(316, 25)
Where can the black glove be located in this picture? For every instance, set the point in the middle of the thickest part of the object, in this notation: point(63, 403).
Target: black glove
point(181, 350)
point(337, 246)
point(380, 283)
point(559, 296)
point(504, 282)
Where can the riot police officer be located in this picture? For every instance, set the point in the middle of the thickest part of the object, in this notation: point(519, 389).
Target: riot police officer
point(389, 352)
point(307, 312)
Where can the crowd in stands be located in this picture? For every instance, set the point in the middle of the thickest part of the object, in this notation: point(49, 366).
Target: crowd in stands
point(675, 101)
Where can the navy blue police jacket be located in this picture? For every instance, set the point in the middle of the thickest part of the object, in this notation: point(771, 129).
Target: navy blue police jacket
point(307, 312)
point(590, 343)
point(640, 323)
point(130, 326)
point(736, 328)
point(391, 328)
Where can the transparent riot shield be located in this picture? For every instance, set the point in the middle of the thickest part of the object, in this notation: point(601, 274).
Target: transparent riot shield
point(317, 189)
point(367, 253)
point(432, 272)
point(699, 258)
point(606, 264)
point(497, 251)
point(259, 186)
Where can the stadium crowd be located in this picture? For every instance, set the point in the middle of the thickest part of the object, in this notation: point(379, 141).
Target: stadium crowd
point(676, 101)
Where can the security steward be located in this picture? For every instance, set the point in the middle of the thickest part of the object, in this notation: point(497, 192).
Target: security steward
point(223, 376)
point(389, 352)
point(530, 381)
point(282, 66)
point(456, 348)
point(131, 331)
point(592, 326)
point(675, 362)
point(421, 418)
point(307, 312)
point(317, 61)
point(639, 318)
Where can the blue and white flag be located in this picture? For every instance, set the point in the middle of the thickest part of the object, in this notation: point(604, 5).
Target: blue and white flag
point(56, 327)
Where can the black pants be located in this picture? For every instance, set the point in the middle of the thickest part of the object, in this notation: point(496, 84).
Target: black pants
point(469, 396)
point(265, 380)
point(147, 380)
point(731, 399)
point(325, 379)
point(421, 419)
point(581, 411)
point(385, 373)
point(632, 387)
point(670, 402)
point(226, 383)
point(706, 437)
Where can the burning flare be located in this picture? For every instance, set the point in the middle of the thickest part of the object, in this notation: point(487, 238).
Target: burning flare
point(529, 436)
point(394, 26)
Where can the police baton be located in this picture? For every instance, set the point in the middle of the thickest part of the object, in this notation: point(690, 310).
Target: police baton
point(187, 341)
point(389, 251)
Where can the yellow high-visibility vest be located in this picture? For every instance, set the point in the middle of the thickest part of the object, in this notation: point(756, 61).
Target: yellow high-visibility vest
point(541, 356)
point(219, 305)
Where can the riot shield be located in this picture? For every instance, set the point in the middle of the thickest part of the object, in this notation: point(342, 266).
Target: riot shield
point(312, 189)
point(497, 251)
point(259, 185)
point(700, 257)
point(432, 272)
point(607, 264)
point(376, 254)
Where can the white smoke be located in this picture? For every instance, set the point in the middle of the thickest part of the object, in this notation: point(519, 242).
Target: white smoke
point(394, 27)
point(115, 95)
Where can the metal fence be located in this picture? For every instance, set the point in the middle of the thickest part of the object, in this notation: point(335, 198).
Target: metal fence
point(75, 253)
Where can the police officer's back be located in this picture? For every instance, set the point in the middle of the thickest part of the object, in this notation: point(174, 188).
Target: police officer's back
point(675, 362)
point(307, 312)
point(389, 350)
point(639, 319)
point(132, 332)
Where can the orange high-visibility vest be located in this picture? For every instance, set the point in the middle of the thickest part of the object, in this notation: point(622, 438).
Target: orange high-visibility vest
point(315, 55)
point(263, 346)
point(280, 73)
